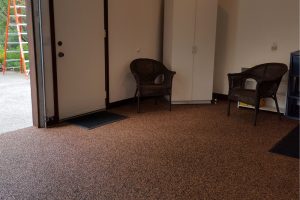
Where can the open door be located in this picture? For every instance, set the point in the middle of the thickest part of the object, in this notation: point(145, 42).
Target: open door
point(80, 56)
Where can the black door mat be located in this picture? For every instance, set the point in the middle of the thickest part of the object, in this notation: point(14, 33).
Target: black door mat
point(95, 120)
point(289, 145)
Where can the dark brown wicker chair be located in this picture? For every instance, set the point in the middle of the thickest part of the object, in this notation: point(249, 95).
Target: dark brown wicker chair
point(268, 77)
point(153, 79)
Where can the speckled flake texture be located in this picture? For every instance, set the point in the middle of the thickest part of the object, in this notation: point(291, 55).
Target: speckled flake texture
point(193, 152)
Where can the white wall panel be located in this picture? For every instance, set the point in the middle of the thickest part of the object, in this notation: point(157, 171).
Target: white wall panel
point(135, 31)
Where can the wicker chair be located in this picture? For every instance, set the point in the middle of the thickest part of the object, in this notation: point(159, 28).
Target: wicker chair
point(153, 79)
point(268, 77)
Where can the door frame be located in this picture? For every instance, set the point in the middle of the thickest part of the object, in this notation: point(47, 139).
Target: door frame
point(56, 119)
point(36, 65)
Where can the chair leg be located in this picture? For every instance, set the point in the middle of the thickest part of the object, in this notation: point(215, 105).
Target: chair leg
point(170, 102)
point(138, 105)
point(277, 107)
point(135, 94)
point(228, 108)
point(256, 111)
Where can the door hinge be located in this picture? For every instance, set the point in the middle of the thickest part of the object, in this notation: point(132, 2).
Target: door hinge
point(50, 121)
point(194, 49)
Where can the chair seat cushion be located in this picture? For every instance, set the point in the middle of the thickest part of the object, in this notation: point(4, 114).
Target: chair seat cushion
point(154, 90)
point(243, 95)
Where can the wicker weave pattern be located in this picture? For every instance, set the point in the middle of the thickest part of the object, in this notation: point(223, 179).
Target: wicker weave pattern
point(268, 77)
point(152, 79)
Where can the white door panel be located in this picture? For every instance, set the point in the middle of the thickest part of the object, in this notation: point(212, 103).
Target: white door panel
point(183, 34)
point(206, 20)
point(81, 71)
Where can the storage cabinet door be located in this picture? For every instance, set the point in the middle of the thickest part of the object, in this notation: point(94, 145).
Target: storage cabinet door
point(183, 40)
point(205, 36)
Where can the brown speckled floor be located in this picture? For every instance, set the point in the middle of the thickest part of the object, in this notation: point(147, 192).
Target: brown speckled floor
point(193, 152)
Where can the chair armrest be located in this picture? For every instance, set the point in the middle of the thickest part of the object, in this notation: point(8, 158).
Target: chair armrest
point(267, 88)
point(236, 80)
point(168, 78)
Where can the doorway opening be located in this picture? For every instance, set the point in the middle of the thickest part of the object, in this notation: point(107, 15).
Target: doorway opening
point(15, 87)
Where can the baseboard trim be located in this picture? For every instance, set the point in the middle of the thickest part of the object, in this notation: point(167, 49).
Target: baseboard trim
point(218, 96)
point(192, 102)
point(121, 103)
point(132, 100)
point(128, 101)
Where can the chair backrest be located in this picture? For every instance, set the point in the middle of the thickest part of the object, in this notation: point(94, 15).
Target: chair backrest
point(268, 71)
point(147, 69)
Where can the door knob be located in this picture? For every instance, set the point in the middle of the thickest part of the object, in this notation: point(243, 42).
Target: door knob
point(60, 43)
point(61, 54)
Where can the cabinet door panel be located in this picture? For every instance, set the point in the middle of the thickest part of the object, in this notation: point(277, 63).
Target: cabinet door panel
point(183, 40)
point(205, 35)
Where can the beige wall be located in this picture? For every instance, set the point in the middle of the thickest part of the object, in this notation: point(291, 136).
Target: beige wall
point(246, 31)
point(135, 30)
